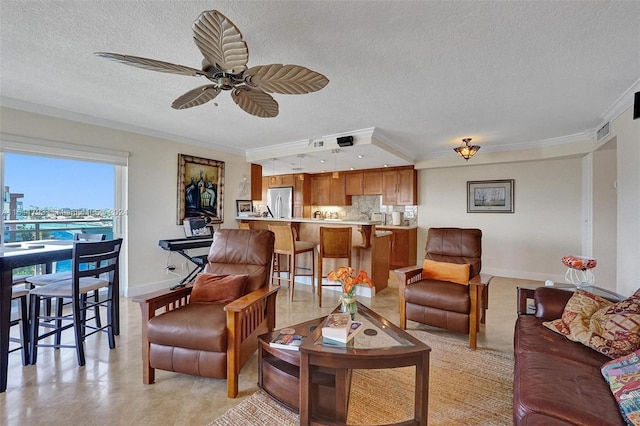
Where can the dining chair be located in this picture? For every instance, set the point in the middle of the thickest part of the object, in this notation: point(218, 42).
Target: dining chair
point(286, 245)
point(20, 295)
point(335, 243)
point(45, 279)
point(94, 266)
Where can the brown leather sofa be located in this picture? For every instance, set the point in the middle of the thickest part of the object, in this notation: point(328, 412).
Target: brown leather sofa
point(210, 339)
point(557, 381)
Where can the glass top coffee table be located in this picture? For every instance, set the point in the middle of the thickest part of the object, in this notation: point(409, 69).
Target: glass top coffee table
point(315, 381)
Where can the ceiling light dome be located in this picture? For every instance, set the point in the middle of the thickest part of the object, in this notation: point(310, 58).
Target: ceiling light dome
point(465, 150)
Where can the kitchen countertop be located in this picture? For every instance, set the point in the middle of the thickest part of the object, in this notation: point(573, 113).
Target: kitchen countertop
point(396, 226)
point(322, 221)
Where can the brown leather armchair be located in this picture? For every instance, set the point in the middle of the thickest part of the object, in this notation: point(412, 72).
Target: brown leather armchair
point(444, 304)
point(208, 339)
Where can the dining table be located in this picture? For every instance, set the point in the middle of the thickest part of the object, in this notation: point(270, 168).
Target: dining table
point(18, 255)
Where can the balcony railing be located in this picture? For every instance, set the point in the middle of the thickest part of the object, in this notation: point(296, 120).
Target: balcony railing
point(54, 229)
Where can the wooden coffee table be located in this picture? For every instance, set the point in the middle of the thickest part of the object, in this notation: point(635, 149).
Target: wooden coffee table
point(315, 380)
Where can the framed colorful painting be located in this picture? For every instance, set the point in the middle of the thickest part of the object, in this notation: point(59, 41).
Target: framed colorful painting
point(200, 189)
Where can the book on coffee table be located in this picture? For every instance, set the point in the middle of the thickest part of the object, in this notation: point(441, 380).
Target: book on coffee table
point(354, 328)
point(287, 341)
point(337, 326)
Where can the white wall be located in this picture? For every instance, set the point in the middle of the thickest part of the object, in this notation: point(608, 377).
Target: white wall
point(627, 134)
point(528, 243)
point(605, 215)
point(152, 180)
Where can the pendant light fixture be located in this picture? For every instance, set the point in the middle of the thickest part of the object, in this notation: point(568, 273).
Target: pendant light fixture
point(465, 150)
point(300, 175)
point(335, 173)
point(272, 180)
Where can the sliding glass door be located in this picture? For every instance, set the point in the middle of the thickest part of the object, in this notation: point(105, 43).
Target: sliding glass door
point(52, 190)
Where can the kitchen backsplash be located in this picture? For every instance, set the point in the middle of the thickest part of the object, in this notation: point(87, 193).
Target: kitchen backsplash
point(363, 206)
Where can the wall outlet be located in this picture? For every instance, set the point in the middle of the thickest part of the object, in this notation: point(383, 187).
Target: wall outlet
point(184, 266)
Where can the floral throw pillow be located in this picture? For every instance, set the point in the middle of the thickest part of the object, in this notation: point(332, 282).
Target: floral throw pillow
point(577, 314)
point(611, 329)
point(616, 329)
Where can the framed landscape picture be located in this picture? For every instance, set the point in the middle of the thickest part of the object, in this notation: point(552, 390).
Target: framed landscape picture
point(200, 189)
point(244, 206)
point(490, 196)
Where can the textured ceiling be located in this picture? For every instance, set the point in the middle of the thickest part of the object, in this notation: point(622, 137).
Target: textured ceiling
point(422, 74)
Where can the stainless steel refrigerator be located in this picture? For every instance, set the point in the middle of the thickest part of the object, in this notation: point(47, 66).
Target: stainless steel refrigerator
point(280, 202)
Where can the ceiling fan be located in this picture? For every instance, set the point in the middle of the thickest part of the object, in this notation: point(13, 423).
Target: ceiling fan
point(225, 65)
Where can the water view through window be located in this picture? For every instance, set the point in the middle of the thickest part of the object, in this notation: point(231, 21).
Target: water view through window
point(53, 198)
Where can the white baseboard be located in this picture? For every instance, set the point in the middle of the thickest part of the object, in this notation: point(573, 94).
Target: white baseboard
point(148, 288)
point(524, 275)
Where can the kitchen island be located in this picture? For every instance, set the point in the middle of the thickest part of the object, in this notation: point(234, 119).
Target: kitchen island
point(370, 249)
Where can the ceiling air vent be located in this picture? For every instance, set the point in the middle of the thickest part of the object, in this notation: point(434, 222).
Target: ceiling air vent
point(603, 131)
point(319, 143)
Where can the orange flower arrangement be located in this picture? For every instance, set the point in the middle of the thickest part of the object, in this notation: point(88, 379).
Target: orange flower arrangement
point(344, 275)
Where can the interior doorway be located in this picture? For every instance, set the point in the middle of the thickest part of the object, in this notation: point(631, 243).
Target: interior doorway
point(605, 213)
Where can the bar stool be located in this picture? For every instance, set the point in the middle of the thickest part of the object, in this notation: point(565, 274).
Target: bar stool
point(286, 245)
point(335, 243)
point(46, 279)
point(21, 294)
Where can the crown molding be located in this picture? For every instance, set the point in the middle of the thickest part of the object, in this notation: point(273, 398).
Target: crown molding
point(621, 104)
point(109, 124)
point(587, 135)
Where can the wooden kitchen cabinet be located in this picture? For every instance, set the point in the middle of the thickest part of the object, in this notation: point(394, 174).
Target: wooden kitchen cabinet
point(353, 184)
point(279, 181)
point(403, 246)
point(320, 190)
point(372, 183)
point(265, 186)
point(302, 196)
point(363, 183)
point(329, 191)
point(400, 187)
point(256, 182)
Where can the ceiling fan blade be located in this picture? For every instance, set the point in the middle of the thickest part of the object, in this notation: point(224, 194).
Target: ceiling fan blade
point(286, 79)
point(220, 42)
point(198, 96)
point(255, 102)
point(150, 64)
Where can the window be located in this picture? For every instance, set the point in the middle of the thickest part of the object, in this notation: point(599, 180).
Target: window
point(106, 178)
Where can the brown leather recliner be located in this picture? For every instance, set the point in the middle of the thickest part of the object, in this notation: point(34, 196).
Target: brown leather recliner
point(444, 304)
point(209, 339)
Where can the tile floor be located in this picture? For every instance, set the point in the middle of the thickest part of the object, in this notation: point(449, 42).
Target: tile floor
point(109, 389)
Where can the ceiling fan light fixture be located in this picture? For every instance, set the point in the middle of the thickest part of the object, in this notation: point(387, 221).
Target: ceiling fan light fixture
point(225, 64)
point(465, 151)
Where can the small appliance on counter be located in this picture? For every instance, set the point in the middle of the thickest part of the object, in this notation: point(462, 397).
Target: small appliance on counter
point(396, 218)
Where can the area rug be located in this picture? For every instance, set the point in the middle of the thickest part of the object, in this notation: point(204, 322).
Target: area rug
point(465, 388)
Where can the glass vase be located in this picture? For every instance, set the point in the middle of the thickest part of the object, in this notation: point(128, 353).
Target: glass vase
point(348, 304)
